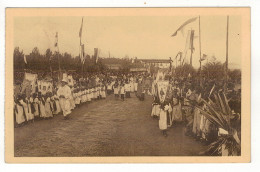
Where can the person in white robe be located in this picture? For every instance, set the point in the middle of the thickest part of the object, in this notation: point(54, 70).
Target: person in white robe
point(176, 108)
point(127, 89)
point(91, 93)
point(27, 109)
point(103, 91)
point(88, 95)
point(132, 85)
point(116, 90)
point(42, 106)
point(19, 112)
point(163, 118)
point(36, 106)
point(80, 95)
point(64, 94)
point(122, 91)
point(196, 129)
point(109, 88)
point(72, 102)
point(57, 104)
point(83, 95)
point(156, 108)
point(136, 85)
point(48, 108)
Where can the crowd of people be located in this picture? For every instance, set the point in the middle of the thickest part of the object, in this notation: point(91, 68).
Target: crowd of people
point(64, 96)
point(182, 104)
point(179, 103)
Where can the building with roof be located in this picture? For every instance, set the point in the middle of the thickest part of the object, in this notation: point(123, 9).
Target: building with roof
point(160, 63)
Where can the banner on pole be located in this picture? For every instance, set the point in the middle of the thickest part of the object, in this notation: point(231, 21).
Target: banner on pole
point(162, 87)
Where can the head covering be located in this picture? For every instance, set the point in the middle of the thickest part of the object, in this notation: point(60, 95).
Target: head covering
point(64, 80)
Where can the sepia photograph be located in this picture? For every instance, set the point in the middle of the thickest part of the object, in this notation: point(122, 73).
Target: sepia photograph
point(127, 85)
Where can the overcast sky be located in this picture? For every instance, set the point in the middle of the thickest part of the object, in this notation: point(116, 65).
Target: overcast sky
point(141, 37)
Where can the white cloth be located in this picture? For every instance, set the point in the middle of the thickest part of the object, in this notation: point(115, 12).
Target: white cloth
point(163, 120)
point(156, 110)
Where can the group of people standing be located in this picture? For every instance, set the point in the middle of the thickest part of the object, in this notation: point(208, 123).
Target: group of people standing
point(180, 106)
point(63, 99)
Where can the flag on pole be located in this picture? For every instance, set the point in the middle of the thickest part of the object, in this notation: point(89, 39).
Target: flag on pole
point(82, 53)
point(204, 57)
point(56, 42)
point(191, 41)
point(183, 25)
point(24, 58)
point(96, 54)
point(213, 58)
point(80, 30)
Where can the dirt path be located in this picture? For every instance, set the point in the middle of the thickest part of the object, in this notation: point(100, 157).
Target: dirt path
point(106, 127)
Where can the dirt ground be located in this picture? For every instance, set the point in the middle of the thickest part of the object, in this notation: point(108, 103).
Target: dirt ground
point(106, 127)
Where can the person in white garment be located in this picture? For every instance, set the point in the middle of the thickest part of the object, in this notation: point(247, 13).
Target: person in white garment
point(109, 88)
point(116, 89)
point(127, 89)
point(165, 108)
point(156, 107)
point(64, 94)
point(19, 111)
point(122, 91)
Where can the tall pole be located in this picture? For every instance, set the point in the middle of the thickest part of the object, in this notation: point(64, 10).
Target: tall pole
point(81, 49)
point(200, 52)
point(59, 76)
point(180, 58)
point(191, 45)
point(226, 71)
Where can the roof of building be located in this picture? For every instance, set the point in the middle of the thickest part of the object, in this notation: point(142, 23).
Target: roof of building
point(138, 69)
point(155, 60)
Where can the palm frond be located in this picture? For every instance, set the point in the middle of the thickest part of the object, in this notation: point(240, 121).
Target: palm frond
point(218, 112)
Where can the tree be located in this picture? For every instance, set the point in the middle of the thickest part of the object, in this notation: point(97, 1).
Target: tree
point(126, 65)
point(213, 70)
point(235, 75)
point(18, 59)
point(185, 70)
